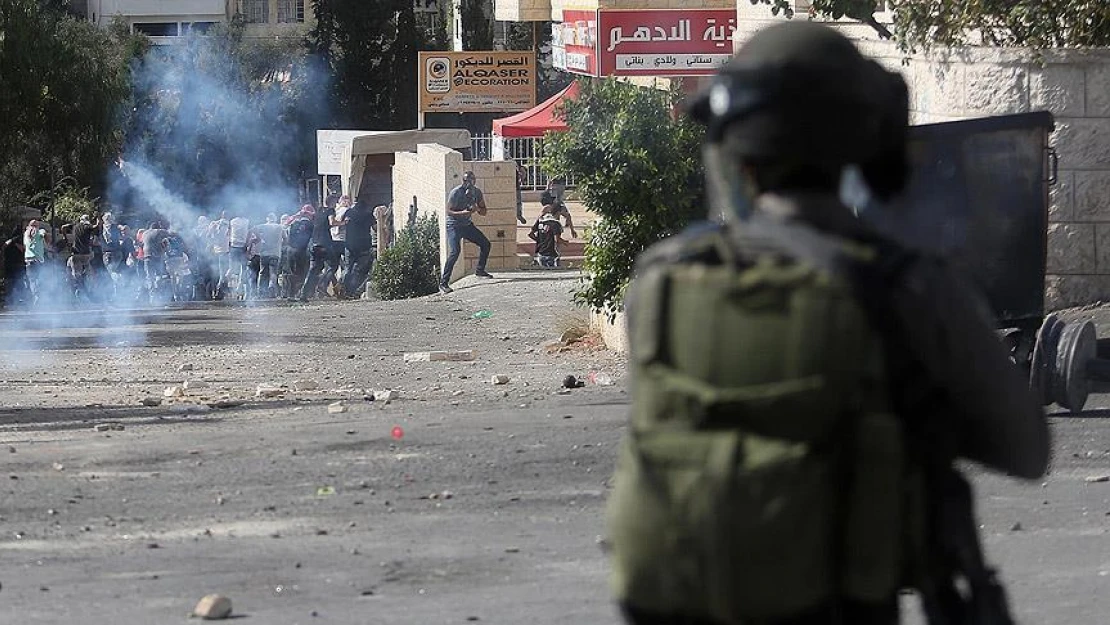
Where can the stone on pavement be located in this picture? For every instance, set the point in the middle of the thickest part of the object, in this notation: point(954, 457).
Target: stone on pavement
point(268, 390)
point(337, 407)
point(305, 385)
point(173, 391)
point(386, 395)
point(151, 401)
point(213, 608)
point(440, 356)
point(500, 379)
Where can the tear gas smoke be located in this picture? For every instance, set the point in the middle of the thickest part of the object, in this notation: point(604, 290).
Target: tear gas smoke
point(201, 139)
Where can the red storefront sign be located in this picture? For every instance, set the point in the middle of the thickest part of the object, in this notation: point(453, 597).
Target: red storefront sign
point(578, 36)
point(664, 42)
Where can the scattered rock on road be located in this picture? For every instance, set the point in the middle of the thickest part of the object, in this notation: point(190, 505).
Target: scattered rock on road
point(268, 390)
point(151, 401)
point(1097, 479)
point(572, 382)
point(337, 407)
point(185, 367)
point(194, 384)
point(173, 391)
point(500, 379)
point(439, 356)
point(386, 395)
point(213, 608)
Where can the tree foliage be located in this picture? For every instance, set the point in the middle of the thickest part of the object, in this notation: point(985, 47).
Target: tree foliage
point(63, 81)
point(921, 24)
point(369, 47)
point(637, 166)
point(410, 268)
point(477, 29)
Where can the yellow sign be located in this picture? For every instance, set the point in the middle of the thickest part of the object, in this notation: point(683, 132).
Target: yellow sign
point(462, 82)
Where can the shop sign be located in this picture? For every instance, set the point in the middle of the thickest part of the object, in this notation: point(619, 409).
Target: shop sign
point(462, 82)
point(574, 42)
point(664, 42)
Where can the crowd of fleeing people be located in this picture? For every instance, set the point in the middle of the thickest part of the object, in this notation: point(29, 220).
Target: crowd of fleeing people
point(312, 253)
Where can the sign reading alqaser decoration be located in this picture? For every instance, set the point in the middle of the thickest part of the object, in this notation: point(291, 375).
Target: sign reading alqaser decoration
point(664, 42)
point(462, 82)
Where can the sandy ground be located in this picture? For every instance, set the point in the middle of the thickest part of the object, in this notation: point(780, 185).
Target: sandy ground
point(487, 508)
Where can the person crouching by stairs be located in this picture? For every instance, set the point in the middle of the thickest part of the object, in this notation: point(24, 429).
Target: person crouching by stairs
point(547, 232)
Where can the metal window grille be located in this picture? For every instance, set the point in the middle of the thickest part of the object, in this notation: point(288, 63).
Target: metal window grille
point(526, 150)
point(256, 11)
point(290, 11)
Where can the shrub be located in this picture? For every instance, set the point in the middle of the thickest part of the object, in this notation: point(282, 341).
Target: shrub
point(637, 165)
point(410, 268)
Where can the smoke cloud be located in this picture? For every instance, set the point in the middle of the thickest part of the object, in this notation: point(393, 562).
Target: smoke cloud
point(220, 124)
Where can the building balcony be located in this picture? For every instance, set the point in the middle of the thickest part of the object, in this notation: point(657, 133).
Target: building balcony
point(105, 10)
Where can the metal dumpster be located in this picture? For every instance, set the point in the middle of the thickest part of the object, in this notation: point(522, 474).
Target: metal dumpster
point(978, 195)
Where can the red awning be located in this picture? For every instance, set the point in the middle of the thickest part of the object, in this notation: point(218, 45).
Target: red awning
point(534, 122)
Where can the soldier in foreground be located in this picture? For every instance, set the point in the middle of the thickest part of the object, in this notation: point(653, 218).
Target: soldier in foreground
point(802, 387)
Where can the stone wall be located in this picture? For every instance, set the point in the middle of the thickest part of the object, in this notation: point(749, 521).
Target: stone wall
point(613, 333)
point(428, 175)
point(980, 81)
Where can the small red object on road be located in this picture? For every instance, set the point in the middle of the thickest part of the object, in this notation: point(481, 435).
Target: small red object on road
point(397, 433)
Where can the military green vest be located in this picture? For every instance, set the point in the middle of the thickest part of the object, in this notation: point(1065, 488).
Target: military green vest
point(763, 473)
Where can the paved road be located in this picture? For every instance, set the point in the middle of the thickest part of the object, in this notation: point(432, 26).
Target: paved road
point(488, 509)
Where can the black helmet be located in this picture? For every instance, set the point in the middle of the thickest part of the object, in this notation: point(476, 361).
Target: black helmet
point(801, 92)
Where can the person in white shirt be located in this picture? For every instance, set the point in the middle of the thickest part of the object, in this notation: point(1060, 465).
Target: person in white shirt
point(270, 241)
point(338, 223)
point(219, 238)
point(240, 228)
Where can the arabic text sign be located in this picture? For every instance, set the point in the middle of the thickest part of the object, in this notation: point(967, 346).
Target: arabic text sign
point(460, 82)
point(665, 42)
point(575, 42)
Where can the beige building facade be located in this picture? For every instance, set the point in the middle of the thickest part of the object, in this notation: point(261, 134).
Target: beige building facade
point(166, 22)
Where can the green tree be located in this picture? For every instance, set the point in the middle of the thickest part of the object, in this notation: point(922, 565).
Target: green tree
point(369, 48)
point(921, 24)
point(637, 166)
point(64, 81)
point(476, 25)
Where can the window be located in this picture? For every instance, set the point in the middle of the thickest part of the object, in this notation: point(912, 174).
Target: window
point(156, 29)
point(256, 11)
point(290, 11)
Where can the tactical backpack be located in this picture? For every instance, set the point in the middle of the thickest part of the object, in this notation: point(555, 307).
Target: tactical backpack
point(763, 474)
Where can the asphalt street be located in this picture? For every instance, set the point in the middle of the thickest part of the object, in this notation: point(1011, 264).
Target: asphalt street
point(457, 501)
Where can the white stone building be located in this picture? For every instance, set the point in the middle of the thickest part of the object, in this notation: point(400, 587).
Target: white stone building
point(166, 20)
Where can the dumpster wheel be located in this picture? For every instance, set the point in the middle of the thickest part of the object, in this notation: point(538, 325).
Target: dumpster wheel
point(1078, 346)
point(1042, 369)
point(1058, 372)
